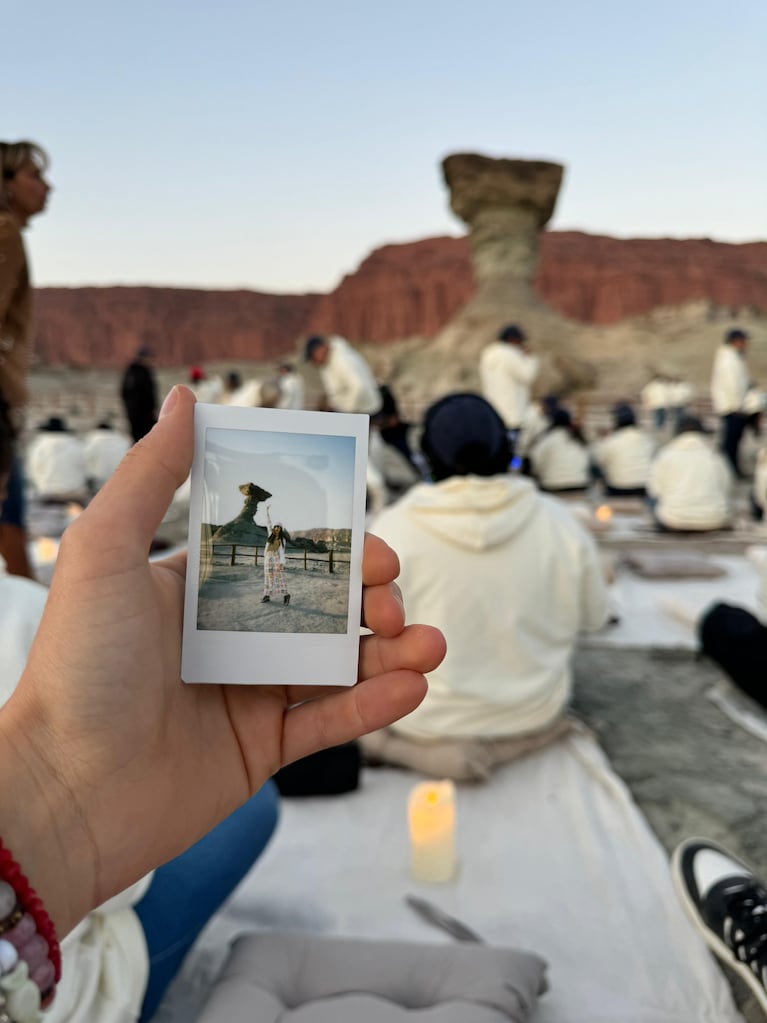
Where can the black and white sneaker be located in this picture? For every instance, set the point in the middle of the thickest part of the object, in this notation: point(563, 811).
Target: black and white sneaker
point(728, 904)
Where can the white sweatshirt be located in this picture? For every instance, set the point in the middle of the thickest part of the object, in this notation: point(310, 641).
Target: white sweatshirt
point(692, 484)
point(559, 461)
point(506, 373)
point(510, 578)
point(624, 458)
point(103, 450)
point(291, 391)
point(56, 465)
point(348, 380)
point(729, 380)
point(655, 394)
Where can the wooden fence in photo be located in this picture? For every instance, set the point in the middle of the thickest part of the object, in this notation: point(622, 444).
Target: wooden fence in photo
point(334, 560)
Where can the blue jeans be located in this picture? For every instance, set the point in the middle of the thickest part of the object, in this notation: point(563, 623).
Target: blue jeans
point(185, 893)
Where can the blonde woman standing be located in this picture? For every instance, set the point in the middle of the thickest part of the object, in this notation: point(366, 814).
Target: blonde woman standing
point(23, 194)
point(275, 584)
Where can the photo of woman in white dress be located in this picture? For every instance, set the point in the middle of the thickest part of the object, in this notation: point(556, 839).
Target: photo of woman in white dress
point(275, 584)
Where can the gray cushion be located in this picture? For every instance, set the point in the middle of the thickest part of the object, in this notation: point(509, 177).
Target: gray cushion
point(673, 565)
point(299, 978)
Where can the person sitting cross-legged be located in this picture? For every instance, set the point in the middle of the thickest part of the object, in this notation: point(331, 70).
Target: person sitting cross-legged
point(690, 484)
point(509, 576)
point(622, 459)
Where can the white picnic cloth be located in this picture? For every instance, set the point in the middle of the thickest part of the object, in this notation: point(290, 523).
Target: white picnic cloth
point(554, 857)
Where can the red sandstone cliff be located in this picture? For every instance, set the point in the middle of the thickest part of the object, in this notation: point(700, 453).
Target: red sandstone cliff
point(399, 291)
point(105, 326)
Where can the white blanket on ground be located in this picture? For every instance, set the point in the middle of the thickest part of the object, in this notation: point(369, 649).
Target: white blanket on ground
point(554, 857)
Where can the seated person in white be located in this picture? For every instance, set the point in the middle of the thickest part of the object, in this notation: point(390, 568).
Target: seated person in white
point(208, 389)
point(690, 484)
point(104, 449)
point(291, 386)
point(559, 460)
point(535, 422)
point(56, 463)
point(622, 459)
point(505, 572)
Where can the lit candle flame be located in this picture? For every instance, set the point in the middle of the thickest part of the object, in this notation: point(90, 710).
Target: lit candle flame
point(603, 513)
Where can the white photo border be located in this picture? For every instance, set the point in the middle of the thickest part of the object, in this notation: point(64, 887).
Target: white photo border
point(266, 658)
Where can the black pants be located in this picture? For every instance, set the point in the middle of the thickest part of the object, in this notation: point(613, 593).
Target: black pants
point(737, 641)
point(733, 425)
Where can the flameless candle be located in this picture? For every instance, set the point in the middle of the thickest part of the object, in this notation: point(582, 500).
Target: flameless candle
point(431, 820)
point(46, 550)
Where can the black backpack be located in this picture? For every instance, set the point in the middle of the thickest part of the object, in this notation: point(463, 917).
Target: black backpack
point(737, 642)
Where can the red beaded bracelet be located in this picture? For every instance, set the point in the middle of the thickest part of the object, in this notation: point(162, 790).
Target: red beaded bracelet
point(30, 902)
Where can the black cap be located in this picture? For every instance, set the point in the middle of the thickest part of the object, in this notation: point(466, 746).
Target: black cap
point(736, 334)
point(54, 425)
point(463, 434)
point(623, 415)
point(311, 346)
point(511, 332)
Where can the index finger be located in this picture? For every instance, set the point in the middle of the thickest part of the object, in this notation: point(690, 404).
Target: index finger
point(380, 564)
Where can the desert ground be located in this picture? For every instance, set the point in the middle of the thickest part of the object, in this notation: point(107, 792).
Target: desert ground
point(230, 601)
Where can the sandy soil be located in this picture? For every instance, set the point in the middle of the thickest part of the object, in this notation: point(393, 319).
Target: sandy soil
point(230, 601)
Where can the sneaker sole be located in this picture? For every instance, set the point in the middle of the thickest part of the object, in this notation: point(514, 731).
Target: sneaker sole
point(717, 946)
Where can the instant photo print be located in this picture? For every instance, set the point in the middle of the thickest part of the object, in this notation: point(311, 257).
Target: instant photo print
point(276, 530)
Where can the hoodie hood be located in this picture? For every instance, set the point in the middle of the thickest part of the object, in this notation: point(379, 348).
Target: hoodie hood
point(474, 512)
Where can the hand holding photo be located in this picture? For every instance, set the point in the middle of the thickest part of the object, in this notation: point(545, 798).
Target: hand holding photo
point(276, 529)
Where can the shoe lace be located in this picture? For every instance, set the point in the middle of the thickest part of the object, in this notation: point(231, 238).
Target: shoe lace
point(746, 926)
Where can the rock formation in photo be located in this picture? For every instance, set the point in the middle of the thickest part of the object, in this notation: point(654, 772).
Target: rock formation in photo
point(243, 528)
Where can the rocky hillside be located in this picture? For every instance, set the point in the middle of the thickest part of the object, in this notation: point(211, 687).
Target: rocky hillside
point(398, 292)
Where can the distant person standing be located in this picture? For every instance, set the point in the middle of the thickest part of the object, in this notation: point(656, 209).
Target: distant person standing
point(729, 386)
point(350, 386)
point(679, 395)
point(139, 394)
point(23, 195)
point(655, 399)
point(347, 379)
point(506, 372)
point(291, 386)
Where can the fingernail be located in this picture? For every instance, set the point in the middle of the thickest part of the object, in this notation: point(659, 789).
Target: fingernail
point(170, 402)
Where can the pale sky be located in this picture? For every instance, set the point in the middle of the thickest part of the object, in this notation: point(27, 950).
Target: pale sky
point(273, 146)
point(310, 477)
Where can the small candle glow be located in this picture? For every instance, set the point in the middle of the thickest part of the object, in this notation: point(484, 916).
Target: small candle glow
point(46, 550)
point(603, 513)
point(431, 821)
point(73, 509)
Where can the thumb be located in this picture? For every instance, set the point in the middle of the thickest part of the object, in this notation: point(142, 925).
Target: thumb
point(128, 509)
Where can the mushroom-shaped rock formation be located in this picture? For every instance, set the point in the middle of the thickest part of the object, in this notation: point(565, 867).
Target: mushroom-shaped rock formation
point(243, 528)
point(505, 203)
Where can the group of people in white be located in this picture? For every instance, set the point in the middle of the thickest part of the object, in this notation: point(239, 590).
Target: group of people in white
point(672, 460)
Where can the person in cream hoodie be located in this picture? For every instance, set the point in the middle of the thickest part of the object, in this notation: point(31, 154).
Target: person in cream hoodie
point(690, 484)
point(504, 571)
